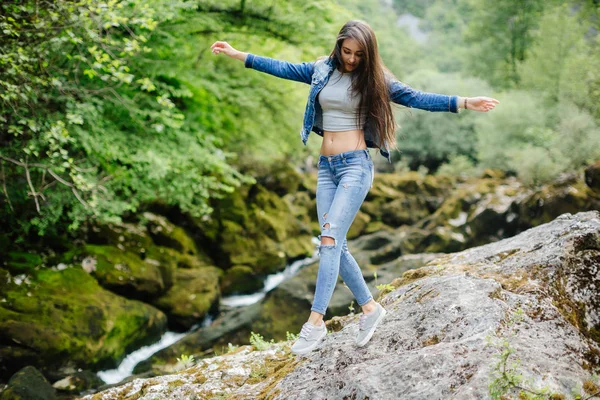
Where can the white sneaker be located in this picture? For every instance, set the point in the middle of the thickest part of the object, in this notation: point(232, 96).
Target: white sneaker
point(367, 324)
point(309, 339)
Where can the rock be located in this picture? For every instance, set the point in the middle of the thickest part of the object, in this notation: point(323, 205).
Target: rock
point(193, 295)
point(231, 326)
point(592, 176)
point(164, 233)
point(281, 177)
point(510, 319)
point(241, 279)
point(64, 320)
point(257, 228)
point(570, 195)
point(28, 384)
point(78, 382)
point(125, 273)
point(359, 225)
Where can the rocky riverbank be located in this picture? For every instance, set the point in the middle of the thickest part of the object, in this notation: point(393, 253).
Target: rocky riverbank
point(85, 305)
point(519, 317)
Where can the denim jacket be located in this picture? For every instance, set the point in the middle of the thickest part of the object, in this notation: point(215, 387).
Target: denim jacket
point(317, 74)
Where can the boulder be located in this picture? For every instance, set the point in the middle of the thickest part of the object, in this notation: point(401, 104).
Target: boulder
point(194, 294)
point(592, 176)
point(61, 320)
point(28, 384)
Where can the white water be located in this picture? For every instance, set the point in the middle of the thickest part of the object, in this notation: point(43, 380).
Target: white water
point(271, 282)
point(125, 369)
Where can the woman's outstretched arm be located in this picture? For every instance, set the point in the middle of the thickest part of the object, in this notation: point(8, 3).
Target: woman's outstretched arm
point(301, 72)
point(403, 94)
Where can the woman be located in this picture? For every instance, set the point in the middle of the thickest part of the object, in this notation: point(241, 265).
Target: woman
point(349, 106)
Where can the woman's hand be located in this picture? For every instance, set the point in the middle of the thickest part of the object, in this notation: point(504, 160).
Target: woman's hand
point(483, 104)
point(225, 48)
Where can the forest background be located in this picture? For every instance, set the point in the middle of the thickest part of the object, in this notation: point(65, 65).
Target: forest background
point(107, 106)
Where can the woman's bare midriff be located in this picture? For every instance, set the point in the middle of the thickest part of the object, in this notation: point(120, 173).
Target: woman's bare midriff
point(341, 142)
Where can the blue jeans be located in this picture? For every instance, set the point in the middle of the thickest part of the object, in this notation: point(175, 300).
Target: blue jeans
point(343, 183)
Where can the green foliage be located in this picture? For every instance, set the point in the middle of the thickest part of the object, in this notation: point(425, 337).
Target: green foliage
point(231, 347)
point(502, 36)
point(526, 137)
point(431, 139)
point(291, 336)
point(109, 106)
point(186, 361)
point(351, 307)
point(89, 133)
point(459, 165)
point(259, 342)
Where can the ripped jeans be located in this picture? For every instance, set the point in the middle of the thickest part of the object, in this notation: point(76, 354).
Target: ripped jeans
point(343, 183)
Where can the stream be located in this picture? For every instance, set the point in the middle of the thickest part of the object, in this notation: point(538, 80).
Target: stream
point(125, 369)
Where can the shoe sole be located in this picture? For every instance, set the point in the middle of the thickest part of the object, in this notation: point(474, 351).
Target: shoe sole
point(370, 334)
point(311, 347)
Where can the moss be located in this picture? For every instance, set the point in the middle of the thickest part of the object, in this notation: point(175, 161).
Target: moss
point(175, 384)
point(166, 234)
point(590, 387)
point(241, 279)
point(300, 246)
point(278, 368)
point(194, 293)
point(21, 262)
point(65, 316)
point(412, 275)
point(557, 396)
point(125, 272)
point(359, 225)
point(430, 341)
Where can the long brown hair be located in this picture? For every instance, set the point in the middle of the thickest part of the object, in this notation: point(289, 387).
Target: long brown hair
point(369, 81)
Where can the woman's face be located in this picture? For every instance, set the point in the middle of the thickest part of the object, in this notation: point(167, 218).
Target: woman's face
point(352, 55)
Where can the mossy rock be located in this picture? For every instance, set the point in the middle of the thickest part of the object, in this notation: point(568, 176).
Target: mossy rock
point(298, 247)
point(194, 293)
point(302, 206)
point(309, 184)
point(68, 320)
point(376, 226)
point(28, 384)
point(166, 234)
point(442, 240)
point(125, 273)
point(20, 262)
point(404, 211)
point(280, 178)
point(553, 200)
point(359, 225)
point(128, 236)
point(241, 279)
point(592, 176)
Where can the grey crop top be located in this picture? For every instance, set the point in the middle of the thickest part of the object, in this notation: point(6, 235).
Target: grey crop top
point(339, 104)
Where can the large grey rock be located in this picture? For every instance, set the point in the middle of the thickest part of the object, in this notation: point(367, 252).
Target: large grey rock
point(533, 298)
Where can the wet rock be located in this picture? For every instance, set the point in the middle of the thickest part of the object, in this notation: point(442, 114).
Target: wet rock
point(78, 382)
point(28, 384)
